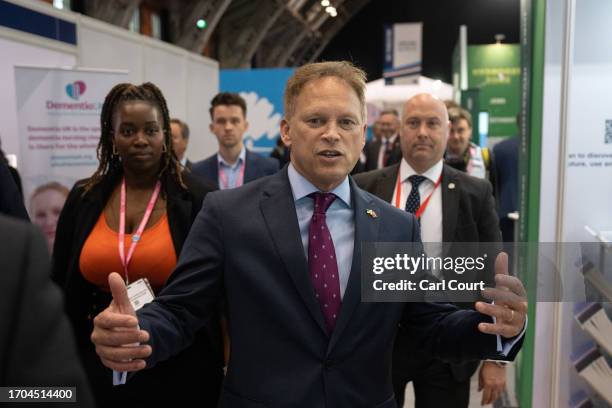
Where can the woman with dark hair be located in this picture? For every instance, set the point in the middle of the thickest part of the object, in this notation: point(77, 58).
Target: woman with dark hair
point(132, 216)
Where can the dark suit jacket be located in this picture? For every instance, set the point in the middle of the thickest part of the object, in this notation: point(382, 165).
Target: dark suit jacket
point(36, 343)
point(11, 200)
point(246, 245)
point(372, 149)
point(256, 166)
point(188, 164)
point(505, 171)
point(468, 210)
point(195, 373)
point(468, 215)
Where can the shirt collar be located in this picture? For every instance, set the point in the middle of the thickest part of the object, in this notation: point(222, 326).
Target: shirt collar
point(391, 140)
point(432, 174)
point(241, 158)
point(301, 187)
point(184, 161)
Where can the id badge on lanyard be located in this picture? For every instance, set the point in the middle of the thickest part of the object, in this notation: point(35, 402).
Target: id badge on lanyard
point(224, 181)
point(139, 292)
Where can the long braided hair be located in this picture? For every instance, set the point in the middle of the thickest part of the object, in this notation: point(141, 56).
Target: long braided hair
point(109, 163)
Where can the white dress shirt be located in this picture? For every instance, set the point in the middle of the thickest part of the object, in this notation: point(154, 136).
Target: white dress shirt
point(431, 219)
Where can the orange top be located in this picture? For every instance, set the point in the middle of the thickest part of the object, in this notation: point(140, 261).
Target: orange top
point(154, 257)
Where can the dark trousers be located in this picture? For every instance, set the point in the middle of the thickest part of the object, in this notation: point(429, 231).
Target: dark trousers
point(435, 384)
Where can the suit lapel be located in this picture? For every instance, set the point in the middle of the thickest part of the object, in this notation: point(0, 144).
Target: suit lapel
point(450, 205)
point(386, 183)
point(250, 167)
point(213, 170)
point(366, 230)
point(278, 209)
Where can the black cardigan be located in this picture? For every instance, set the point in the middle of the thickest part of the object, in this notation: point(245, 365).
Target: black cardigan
point(196, 372)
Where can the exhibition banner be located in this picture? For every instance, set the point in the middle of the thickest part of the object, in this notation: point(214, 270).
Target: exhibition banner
point(403, 53)
point(263, 91)
point(58, 116)
point(495, 70)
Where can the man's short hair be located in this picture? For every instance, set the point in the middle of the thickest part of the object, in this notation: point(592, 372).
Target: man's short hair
point(183, 125)
point(393, 112)
point(456, 114)
point(353, 76)
point(227, 98)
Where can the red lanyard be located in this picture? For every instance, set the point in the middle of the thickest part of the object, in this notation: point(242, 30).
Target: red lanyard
point(136, 237)
point(224, 180)
point(423, 206)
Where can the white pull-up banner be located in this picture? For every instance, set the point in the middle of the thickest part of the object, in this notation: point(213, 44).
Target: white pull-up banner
point(58, 115)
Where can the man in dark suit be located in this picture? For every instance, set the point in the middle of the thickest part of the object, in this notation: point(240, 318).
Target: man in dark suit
point(284, 251)
point(505, 170)
point(233, 165)
point(180, 141)
point(36, 346)
point(384, 150)
point(460, 208)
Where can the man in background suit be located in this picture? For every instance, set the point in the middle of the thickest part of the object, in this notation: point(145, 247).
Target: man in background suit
point(180, 141)
point(460, 209)
point(36, 345)
point(233, 165)
point(384, 150)
point(505, 169)
point(284, 251)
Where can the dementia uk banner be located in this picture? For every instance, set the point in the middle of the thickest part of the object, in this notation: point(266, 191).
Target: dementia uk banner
point(58, 114)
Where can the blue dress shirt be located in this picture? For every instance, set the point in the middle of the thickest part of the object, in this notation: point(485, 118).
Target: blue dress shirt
point(231, 171)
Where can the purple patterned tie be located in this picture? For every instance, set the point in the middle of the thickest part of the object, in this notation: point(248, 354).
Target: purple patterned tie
point(322, 262)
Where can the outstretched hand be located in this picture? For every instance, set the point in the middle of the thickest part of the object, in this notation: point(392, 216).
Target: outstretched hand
point(509, 305)
point(116, 334)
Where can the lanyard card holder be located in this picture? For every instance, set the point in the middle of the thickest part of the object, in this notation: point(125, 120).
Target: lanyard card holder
point(140, 293)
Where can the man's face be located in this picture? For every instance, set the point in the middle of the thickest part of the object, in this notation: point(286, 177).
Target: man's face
point(326, 132)
point(424, 131)
point(229, 125)
point(389, 124)
point(179, 143)
point(459, 137)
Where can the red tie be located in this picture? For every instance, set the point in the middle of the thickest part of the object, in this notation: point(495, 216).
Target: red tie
point(322, 262)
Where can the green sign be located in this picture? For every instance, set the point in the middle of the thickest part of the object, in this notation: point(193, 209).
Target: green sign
point(496, 71)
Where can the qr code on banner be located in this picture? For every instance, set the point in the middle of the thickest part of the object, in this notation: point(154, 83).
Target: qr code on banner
point(608, 138)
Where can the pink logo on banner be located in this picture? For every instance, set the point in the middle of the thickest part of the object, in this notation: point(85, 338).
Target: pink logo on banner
point(76, 89)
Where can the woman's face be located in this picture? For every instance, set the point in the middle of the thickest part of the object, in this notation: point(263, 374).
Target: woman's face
point(138, 135)
point(46, 207)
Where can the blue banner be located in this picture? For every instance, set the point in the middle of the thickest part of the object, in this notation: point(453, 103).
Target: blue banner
point(263, 91)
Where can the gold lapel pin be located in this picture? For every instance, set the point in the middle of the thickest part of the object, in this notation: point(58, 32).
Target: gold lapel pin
point(451, 186)
point(372, 213)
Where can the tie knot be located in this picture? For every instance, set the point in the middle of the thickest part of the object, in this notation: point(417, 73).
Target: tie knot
point(322, 201)
point(416, 180)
